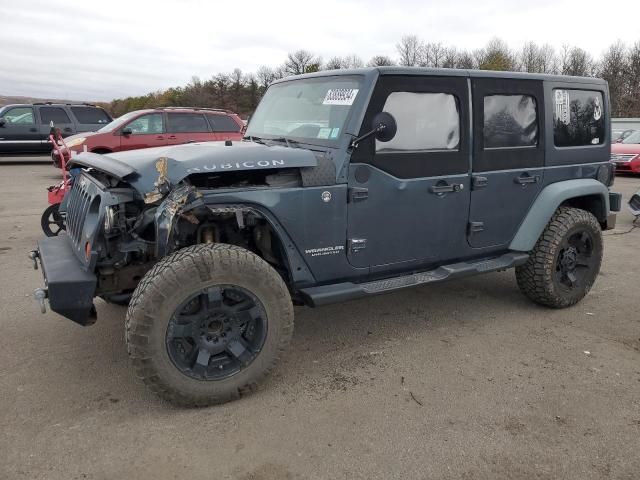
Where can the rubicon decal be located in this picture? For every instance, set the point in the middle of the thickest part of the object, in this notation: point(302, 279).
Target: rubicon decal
point(238, 166)
point(317, 252)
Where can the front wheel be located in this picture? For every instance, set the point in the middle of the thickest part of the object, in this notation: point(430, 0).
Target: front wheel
point(207, 323)
point(566, 260)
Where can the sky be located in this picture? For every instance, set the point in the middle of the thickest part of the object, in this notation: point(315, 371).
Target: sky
point(89, 50)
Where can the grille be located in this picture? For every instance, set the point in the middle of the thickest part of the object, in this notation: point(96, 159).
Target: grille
point(623, 157)
point(78, 204)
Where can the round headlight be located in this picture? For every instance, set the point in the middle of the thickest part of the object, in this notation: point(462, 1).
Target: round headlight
point(109, 219)
point(76, 141)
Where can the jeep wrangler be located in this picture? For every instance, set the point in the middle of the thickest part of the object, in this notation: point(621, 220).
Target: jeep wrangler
point(347, 184)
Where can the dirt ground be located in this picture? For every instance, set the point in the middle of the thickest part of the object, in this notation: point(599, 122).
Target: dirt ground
point(461, 380)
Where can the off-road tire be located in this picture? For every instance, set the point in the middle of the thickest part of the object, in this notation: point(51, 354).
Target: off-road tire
point(537, 279)
point(172, 280)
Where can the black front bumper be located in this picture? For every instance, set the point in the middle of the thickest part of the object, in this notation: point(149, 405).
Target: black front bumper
point(70, 288)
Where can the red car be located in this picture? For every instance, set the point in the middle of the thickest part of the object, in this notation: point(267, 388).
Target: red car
point(626, 154)
point(156, 128)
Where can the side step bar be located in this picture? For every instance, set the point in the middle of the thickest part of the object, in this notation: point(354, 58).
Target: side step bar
point(338, 292)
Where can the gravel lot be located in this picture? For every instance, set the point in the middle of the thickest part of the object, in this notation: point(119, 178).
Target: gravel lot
point(466, 379)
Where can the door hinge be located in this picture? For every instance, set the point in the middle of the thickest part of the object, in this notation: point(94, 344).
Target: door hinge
point(358, 194)
point(357, 244)
point(476, 227)
point(478, 182)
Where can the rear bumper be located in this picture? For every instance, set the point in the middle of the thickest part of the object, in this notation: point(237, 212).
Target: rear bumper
point(70, 288)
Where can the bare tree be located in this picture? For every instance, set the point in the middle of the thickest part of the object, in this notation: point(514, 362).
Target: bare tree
point(265, 75)
point(381, 61)
point(465, 60)
point(575, 61)
point(334, 63)
point(632, 91)
point(613, 68)
point(410, 50)
point(450, 58)
point(301, 61)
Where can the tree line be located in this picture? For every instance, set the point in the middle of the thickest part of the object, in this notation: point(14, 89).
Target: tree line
point(619, 64)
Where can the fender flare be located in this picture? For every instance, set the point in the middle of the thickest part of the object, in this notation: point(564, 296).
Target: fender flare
point(547, 202)
point(187, 198)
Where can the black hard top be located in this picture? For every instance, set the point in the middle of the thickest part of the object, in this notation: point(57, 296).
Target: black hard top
point(448, 72)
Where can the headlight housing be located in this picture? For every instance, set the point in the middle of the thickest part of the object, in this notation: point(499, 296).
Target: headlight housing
point(76, 142)
point(607, 173)
point(109, 219)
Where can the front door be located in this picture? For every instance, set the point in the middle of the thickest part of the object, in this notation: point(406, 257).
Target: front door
point(187, 128)
point(145, 131)
point(508, 157)
point(409, 198)
point(18, 131)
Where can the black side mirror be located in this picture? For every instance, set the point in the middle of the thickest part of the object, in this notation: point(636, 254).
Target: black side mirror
point(383, 126)
point(126, 131)
point(3, 122)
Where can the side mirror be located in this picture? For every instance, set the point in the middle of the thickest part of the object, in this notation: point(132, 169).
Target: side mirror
point(619, 140)
point(126, 131)
point(385, 126)
point(3, 122)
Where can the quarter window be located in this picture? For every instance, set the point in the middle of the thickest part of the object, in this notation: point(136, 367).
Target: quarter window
point(56, 115)
point(187, 123)
point(223, 123)
point(19, 116)
point(578, 118)
point(510, 121)
point(426, 122)
point(90, 115)
point(146, 124)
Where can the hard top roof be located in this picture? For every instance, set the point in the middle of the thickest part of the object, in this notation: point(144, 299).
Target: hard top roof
point(447, 72)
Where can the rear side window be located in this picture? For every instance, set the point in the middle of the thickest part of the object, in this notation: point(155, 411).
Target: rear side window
point(89, 115)
point(510, 121)
point(187, 123)
point(56, 115)
point(146, 124)
point(426, 122)
point(223, 123)
point(578, 118)
point(19, 116)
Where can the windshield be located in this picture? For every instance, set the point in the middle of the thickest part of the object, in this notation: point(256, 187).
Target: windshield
point(312, 110)
point(118, 122)
point(633, 138)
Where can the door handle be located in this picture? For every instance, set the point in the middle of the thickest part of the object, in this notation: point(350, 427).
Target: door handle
point(172, 137)
point(526, 178)
point(443, 187)
point(159, 137)
point(67, 129)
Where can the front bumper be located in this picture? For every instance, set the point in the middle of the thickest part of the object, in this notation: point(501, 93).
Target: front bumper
point(69, 287)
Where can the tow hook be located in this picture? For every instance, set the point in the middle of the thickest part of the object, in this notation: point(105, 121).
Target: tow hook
point(40, 294)
point(34, 255)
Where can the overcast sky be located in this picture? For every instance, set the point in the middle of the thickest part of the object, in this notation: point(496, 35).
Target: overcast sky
point(89, 50)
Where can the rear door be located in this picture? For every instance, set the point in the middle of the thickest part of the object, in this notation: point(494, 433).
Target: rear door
point(409, 198)
point(60, 119)
point(185, 127)
point(224, 127)
point(146, 131)
point(19, 132)
point(508, 157)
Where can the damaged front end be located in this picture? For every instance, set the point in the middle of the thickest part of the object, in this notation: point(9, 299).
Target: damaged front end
point(124, 217)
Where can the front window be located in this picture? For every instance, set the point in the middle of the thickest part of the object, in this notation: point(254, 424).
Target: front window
point(632, 138)
point(19, 116)
point(147, 124)
point(312, 110)
point(118, 122)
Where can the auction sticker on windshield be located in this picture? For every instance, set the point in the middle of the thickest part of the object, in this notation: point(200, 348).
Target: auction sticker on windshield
point(340, 96)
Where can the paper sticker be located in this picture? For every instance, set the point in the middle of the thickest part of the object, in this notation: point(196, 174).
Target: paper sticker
point(335, 132)
point(340, 96)
point(563, 114)
point(597, 110)
point(324, 133)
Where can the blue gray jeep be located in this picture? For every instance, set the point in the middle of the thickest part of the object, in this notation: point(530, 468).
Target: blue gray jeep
point(347, 184)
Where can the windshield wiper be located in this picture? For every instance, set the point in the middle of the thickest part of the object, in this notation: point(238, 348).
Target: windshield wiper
point(288, 141)
point(253, 138)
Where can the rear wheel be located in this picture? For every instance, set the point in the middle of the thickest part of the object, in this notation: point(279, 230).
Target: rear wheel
point(565, 261)
point(207, 324)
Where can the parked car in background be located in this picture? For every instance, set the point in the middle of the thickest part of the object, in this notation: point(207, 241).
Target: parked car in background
point(619, 135)
point(158, 128)
point(626, 154)
point(24, 128)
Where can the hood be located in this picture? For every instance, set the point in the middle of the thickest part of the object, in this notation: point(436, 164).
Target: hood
point(79, 135)
point(147, 169)
point(625, 148)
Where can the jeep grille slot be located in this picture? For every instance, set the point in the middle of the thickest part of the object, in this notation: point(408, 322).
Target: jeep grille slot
point(77, 208)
